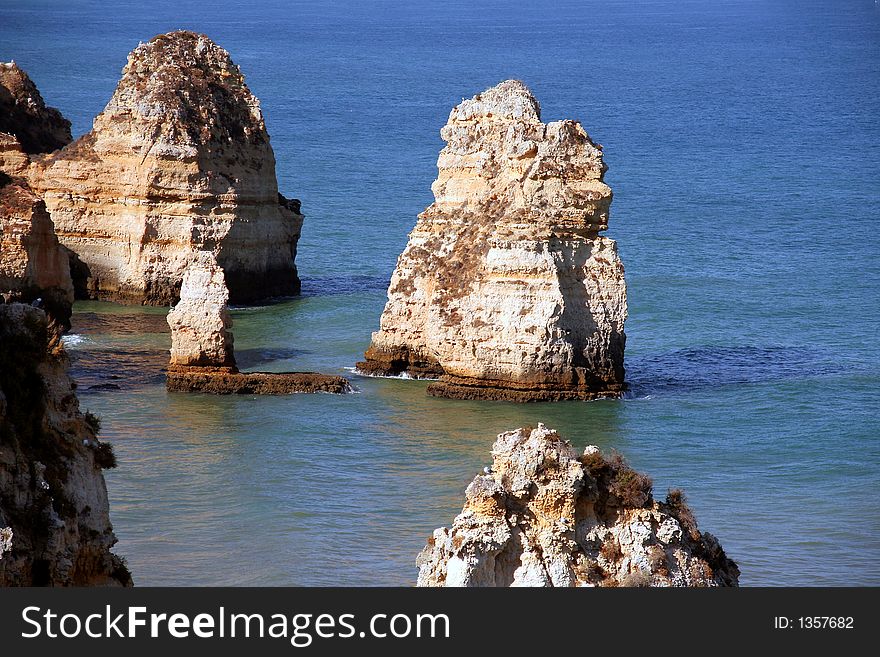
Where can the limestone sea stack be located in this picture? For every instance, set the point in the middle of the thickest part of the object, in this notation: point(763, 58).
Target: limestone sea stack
point(27, 126)
point(506, 289)
point(546, 516)
point(178, 161)
point(54, 517)
point(202, 355)
point(34, 267)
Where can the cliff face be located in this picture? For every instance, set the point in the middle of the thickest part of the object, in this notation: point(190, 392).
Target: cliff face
point(28, 126)
point(54, 520)
point(33, 265)
point(506, 290)
point(178, 161)
point(545, 516)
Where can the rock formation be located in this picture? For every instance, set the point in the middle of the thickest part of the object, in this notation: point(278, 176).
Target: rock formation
point(27, 126)
point(54, 520)
point(200, 323)
point(178, 161)
point(33, 265)
point(202, 356)
point(506, 290)
point(545, 516)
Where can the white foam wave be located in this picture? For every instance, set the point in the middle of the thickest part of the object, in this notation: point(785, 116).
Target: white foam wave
point(74, 340)
point(406, 376)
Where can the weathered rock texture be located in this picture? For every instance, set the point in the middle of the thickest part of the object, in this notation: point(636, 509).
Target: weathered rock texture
point(224, 381)
point(201, 328)
point(33, 265)
point(202, 355)
point(27, 126)
point(178, 161)
point(54, 520)
point(506, 290)
point(545, 516)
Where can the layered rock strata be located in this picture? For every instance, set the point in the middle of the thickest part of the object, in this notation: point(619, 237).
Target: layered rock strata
point(546, 516)
point(54, 518)
point(178, 161)
point(505, 289)
point(202, 355)
point(34, 267)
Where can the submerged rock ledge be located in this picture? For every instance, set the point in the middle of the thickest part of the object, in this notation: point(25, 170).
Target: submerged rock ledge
point(228, 381)
point(505, 289)
point(543, 515)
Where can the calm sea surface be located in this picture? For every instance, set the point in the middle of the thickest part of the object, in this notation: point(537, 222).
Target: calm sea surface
point(743, 140)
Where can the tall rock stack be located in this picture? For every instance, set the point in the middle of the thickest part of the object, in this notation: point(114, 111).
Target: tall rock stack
point(506, 289)
point(201, 329)
point(178, 161)
point(546, 516)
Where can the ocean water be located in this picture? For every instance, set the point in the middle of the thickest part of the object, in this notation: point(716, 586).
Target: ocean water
point(743, 139)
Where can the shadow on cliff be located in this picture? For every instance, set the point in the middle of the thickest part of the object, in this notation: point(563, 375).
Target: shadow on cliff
point(701, 367)
point(603, 362)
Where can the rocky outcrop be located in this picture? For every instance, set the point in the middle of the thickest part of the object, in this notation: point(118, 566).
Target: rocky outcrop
point(202, 355)
point(54, 520)
point(33, 265)
point(506, 290)
point(545, 516)
point(179, 161)
point(27, 126)
point(223, 381)
point(201, 329)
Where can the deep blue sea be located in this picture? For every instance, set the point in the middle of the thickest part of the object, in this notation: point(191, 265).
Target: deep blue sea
point(743, 140)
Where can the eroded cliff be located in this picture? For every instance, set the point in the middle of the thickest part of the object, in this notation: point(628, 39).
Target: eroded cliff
point(545, 516)
point(179, 161)
point(54, 518)
point(33, 265)
point(505, 289)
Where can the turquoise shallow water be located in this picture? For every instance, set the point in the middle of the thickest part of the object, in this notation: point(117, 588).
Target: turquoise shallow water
point(744, 151)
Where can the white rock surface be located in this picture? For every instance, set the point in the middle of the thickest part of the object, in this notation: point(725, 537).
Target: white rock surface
point(545, 517)
point(505, 288)
point(201, 328)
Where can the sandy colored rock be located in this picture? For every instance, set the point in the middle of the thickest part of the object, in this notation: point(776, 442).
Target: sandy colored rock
point(200, 324)
point(505, 289)
point(24, 116)
point(545, 516)
point(33, 265)
point(178, 161)
point(54, 518)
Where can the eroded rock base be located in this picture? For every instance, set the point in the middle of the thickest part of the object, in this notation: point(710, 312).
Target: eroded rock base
point(455, 387)
point(379, 362)
point(228, 381)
